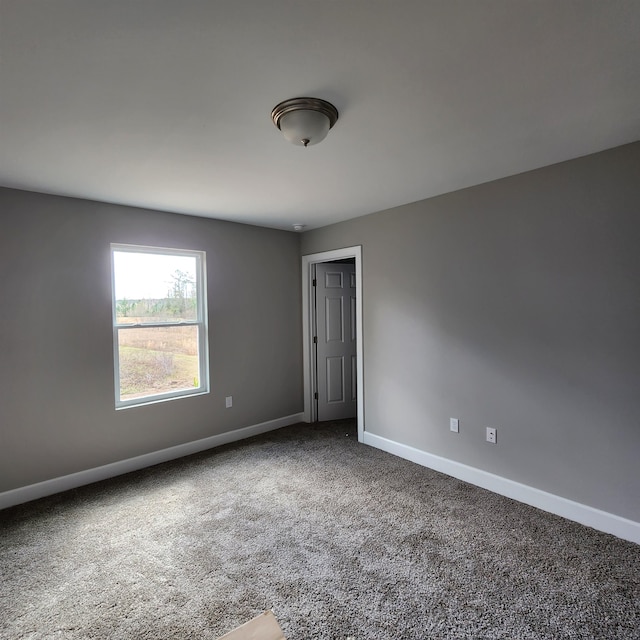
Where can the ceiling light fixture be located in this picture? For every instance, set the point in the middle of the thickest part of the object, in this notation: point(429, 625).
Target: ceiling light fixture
point(304, 121)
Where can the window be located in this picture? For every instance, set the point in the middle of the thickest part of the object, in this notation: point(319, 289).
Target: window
point(159, 324)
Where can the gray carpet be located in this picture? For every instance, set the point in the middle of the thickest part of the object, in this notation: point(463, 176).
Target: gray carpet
point(339, 539)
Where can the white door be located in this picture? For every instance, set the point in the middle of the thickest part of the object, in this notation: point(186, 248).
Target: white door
point(336, 371)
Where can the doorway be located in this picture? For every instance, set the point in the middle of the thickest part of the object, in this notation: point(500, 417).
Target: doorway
point(309, 263)
point(334, 286)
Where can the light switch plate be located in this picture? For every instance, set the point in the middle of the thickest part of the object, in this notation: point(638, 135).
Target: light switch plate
point(454, 425)
point(228, 402)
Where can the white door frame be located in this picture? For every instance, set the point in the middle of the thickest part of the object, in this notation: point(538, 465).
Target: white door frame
point(307, 329)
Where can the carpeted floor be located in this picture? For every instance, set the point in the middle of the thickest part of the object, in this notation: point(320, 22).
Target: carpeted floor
point(339, 539)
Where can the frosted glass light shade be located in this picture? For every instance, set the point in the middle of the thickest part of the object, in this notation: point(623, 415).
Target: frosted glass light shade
point(304, 121)
point(304, 125)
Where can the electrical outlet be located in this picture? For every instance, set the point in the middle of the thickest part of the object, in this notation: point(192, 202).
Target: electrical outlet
point(228, 402)
point(492, 435)
point(454, 425)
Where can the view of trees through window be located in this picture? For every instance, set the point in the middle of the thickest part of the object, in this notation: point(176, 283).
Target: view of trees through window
point(178, 303)
point(157, 323)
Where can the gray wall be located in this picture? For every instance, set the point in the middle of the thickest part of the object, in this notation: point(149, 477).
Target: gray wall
point(513, 304)
point(57, 411)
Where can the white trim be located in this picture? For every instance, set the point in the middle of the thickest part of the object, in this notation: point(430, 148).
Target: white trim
point(601, 520)
point(81, 478)
point(307, 315)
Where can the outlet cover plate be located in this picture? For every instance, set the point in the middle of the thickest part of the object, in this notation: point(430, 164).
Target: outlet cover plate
point(228, 402)
point(454, 425)
point(492, 435)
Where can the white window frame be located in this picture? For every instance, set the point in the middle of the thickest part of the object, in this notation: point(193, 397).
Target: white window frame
point(200, 322)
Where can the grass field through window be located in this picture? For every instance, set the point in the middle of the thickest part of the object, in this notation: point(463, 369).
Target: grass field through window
point(157, 360)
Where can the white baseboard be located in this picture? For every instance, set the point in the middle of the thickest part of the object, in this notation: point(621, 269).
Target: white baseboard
point(601, 520)
point(73, 480)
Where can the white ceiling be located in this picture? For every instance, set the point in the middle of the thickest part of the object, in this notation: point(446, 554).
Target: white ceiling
point(166, 103)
